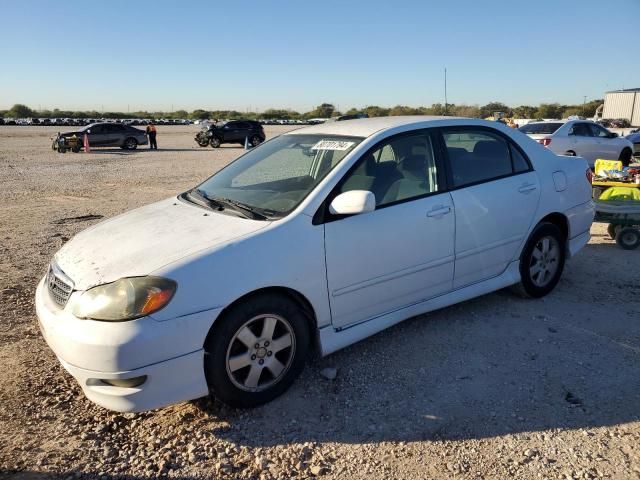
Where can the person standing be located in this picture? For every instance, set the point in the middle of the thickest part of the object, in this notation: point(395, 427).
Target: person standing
point(151, 133)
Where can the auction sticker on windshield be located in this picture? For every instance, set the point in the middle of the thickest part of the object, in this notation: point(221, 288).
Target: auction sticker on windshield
point(332, 145)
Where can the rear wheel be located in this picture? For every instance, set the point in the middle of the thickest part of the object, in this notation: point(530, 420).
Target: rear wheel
point(613, 230)
point(628, 238)
point(256, 350)
point(625, 157)
point(215, 142)
point(542, 261)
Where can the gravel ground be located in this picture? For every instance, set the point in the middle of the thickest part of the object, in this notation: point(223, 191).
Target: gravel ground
point(497, 387)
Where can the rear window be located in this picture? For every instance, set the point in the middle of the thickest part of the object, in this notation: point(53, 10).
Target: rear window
point(546, 128)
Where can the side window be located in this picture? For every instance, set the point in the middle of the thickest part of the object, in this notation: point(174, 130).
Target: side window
point(581, 130)
point(242, 125)
point(400, 169)
point(520, 164)
point(97, 129)
point(477, 156)
point(598, 131)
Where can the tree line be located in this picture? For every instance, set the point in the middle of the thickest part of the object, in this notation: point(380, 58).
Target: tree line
point(327, 110)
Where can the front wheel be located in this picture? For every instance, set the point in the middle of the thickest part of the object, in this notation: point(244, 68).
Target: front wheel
point(542, 261)
point(255, 141)
point(130, 144)
point(215, 142)
point(256, 350)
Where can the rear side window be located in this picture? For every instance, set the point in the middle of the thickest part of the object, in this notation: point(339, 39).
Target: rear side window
point(477, 156)
point(581, 130)
point(546, 128)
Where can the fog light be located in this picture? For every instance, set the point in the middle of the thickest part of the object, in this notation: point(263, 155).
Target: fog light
point(125, 382)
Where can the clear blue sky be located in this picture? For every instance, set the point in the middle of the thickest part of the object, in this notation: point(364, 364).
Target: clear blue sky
point(150, 55)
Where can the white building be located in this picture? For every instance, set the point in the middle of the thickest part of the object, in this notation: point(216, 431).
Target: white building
point(620, 104)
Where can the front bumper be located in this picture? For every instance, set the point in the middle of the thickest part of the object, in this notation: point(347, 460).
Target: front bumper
point(169, 353)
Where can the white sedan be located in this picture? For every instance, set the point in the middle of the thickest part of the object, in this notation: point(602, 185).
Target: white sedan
point(582, 138)
point(315, 239)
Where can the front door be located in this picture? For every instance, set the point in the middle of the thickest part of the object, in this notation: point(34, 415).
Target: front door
point(401, 253)
point(495, 193)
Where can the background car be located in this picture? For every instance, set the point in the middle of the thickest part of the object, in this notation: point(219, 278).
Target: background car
point(635, 139)
point(236, 131)
point(581, 138)
point(111, 135)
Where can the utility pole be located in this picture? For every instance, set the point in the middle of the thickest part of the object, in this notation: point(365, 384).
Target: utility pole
point(584, 100)
point(445, 92)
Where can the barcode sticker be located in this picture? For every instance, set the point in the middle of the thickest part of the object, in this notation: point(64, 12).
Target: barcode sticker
point(332, 145)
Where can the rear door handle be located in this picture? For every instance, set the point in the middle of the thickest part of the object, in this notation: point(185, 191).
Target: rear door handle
point(527, 187)
point(438, 211)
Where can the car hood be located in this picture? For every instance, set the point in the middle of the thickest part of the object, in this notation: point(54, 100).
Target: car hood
point(141, 241)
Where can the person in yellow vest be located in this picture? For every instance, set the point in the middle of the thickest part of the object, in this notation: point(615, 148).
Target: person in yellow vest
point(151, 133)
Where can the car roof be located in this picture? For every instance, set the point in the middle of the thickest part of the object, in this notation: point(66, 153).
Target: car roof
point(365, 127)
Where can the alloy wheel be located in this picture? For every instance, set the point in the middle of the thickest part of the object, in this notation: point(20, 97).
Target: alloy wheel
point(260, 353)
point(545, 259)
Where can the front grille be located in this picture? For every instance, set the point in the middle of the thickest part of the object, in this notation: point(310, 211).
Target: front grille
point(60, 286)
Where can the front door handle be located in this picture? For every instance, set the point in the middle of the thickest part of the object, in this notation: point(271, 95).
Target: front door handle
point(527, 187)
point(438, 211)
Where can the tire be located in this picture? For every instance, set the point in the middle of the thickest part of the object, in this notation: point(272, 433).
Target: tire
point(130, 143)
point(202, 143)
point(625, 157)
point(613, 230)
point(215, 142)
point(76, 149)
point(570, 153)
point(542, 261)
point(255, 140)
point(243, 376)
point(628, 238)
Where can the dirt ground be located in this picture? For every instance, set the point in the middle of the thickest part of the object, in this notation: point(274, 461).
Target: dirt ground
point(497, 387)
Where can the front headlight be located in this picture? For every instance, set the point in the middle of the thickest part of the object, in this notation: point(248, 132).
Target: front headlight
point(125, 299)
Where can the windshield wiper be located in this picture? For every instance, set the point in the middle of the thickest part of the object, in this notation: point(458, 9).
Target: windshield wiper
point(254, 212)
point(219, 203)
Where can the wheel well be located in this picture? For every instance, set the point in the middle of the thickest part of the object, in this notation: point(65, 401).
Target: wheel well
point(293, 295)
point(560, 221)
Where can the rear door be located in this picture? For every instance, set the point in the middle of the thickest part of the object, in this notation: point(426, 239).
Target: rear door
point(495, 194)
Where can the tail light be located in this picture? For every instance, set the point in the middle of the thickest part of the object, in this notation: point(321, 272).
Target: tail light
point(589, 176)
point(545, 141)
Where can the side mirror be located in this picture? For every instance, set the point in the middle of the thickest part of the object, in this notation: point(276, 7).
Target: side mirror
point(88, 131)
point(353, 202)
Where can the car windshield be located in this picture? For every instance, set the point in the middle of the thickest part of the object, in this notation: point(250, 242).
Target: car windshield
point(546, 128)
point(275, 177)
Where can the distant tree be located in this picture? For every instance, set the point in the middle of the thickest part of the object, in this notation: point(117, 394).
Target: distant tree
point(489, 109)
point(525, 111)
point(549, 110)
point(470, 111)
point(20, 111)
point(280, 114)
point(353, 111)
point(324, 110)
point(404, 110)
point(199, 115)
point(375, 111)
point(3, 113)
point(569, 111)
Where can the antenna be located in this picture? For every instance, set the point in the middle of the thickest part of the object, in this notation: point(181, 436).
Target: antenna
point(445, 91)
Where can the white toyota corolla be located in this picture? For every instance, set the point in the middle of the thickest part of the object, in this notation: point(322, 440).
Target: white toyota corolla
point(315, 239)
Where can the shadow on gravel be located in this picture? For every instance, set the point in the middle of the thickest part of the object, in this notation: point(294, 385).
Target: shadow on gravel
point(31, 475)
point(492, 366)
point(118, 151)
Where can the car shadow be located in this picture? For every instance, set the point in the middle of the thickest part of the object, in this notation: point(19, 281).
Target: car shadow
point(484, 368)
